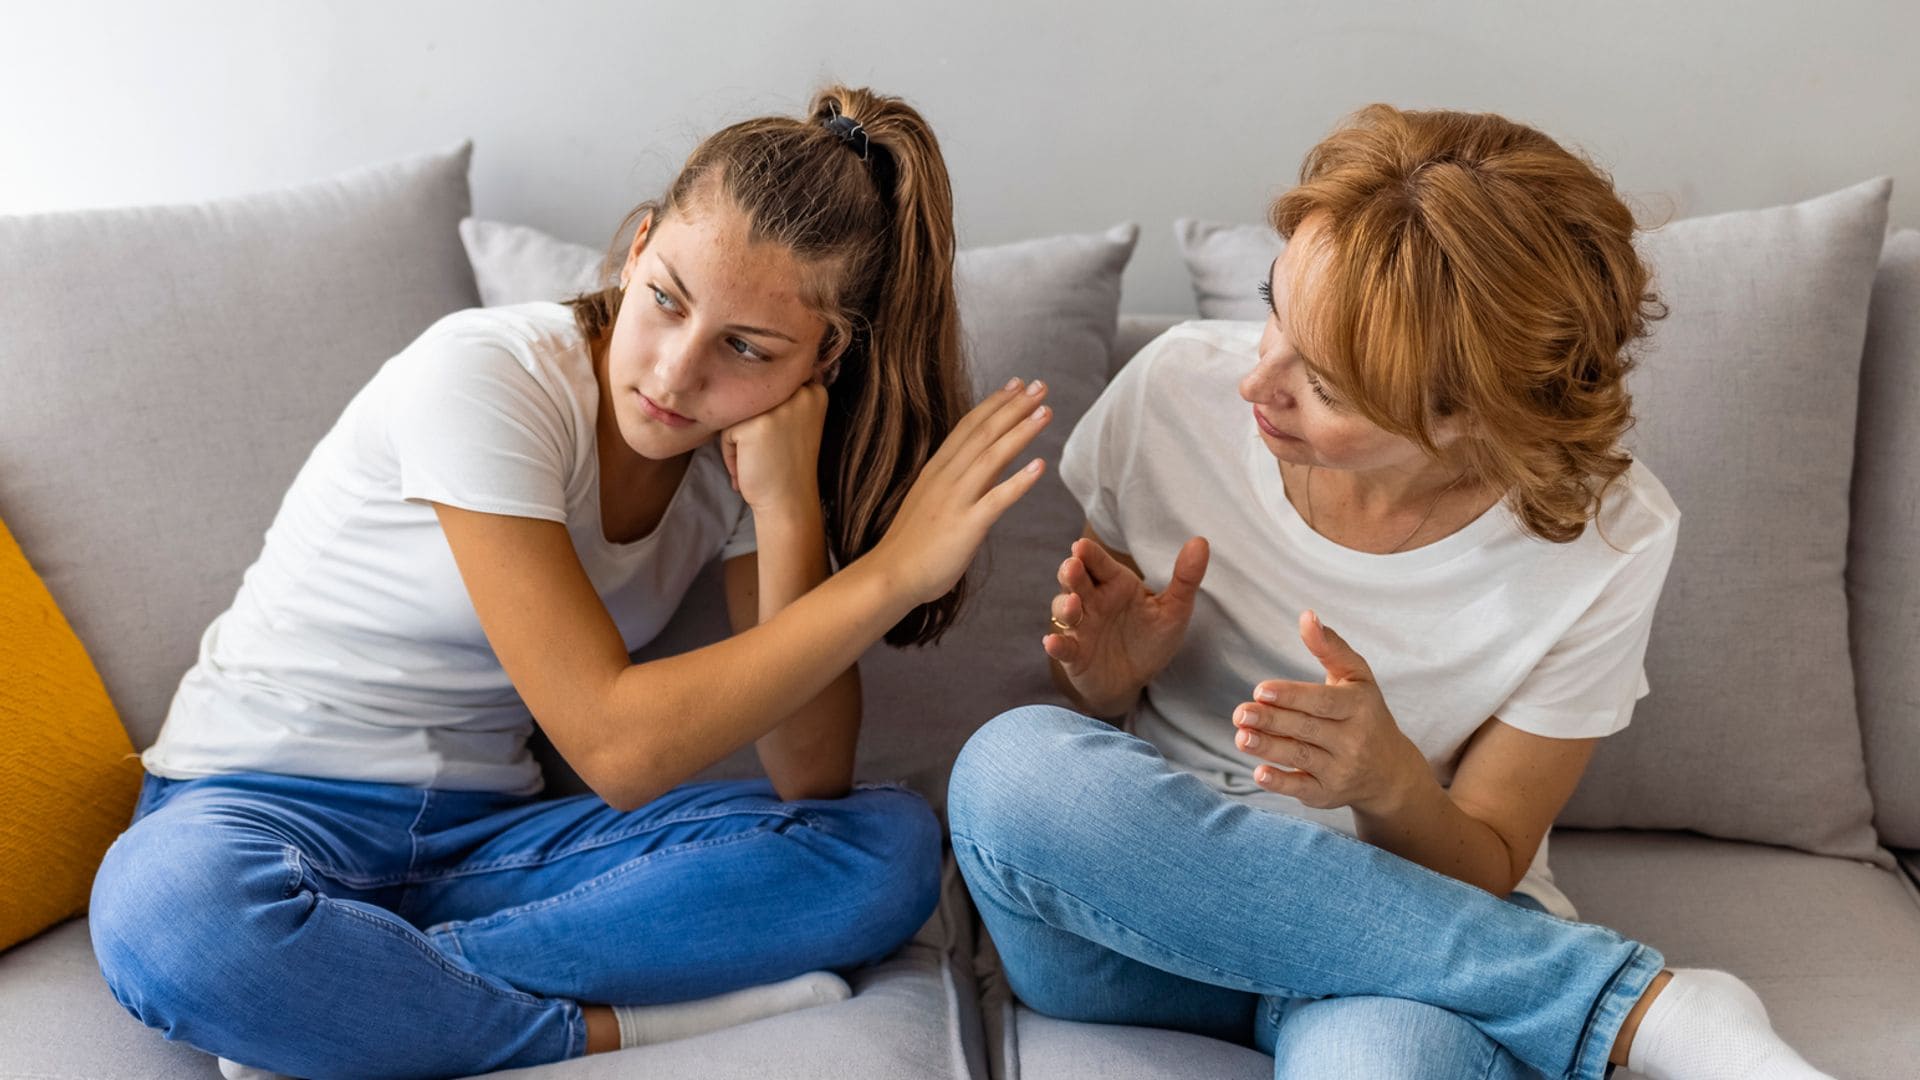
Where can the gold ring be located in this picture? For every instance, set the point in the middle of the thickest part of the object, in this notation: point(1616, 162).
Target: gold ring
point(1058, 625)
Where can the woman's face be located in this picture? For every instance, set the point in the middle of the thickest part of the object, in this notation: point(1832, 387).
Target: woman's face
point(1300, 419)
point(712, 331)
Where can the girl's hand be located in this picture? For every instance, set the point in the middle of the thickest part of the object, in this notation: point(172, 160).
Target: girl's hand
point(944, 518)
point(1329, 745)
point(773, 458)
point(1117, 635)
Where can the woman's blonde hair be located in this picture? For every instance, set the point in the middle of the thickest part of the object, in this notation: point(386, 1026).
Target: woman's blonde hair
point(858, 192)
point(1470, 266)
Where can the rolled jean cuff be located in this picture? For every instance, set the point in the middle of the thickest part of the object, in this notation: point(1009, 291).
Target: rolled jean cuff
point(1623, 992)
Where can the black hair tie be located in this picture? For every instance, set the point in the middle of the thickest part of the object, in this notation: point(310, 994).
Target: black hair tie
point(851, 131)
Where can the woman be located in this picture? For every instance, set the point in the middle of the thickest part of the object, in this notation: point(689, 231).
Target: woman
point(1431, 461)
point(338, 867)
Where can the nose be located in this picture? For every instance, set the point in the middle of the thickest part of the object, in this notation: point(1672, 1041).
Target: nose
point(679, 367)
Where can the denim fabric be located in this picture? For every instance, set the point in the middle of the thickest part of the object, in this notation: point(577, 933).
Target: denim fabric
point(1121, 890)
point(326, 928)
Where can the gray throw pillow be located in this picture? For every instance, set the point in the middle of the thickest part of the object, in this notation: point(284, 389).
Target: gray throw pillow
point(1746, 397)
point(1042, 309)
point(166, 371)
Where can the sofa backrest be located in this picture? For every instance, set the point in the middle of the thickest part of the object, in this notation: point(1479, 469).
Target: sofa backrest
point(164, 372)
point(1883, 551)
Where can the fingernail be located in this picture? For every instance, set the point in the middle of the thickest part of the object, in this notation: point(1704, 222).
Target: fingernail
point(1040, 414)
point(1036, 386)
point(1266, 696)
point(1012, 384)
point(1033, 466)
point(1249, 740)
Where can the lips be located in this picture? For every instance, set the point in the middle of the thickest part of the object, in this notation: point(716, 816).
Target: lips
point(1271, 431)
point(665, 416)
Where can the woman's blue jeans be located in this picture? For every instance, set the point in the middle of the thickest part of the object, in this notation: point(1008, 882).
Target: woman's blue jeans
point(1121, 890)
point(325, 928)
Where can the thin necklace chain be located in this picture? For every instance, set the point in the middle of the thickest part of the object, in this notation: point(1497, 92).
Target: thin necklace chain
point(1416, 525)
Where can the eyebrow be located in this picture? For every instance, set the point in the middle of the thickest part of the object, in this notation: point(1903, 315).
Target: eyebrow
point(742, 327)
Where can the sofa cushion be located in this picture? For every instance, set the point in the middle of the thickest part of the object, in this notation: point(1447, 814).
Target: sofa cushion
point(1746, 397)
point(915, 1014)
point(1831, 946)
point(1883, 555)
point(167, 369)
point(1039, 309)
point(68, 777)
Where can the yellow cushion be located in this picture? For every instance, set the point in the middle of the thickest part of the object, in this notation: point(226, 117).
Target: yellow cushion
point(68, 774)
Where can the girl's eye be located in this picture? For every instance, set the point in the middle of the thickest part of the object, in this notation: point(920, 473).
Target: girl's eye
point(740, 347)
point(1318, 390)
point(662, 299)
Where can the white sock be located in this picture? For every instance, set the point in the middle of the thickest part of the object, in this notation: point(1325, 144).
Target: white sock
point(233, 1070)
point(1708, 1025)
point(644, 1024)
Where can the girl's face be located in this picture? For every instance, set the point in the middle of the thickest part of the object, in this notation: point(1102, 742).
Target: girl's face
point(1301, 421)
point(712, 331)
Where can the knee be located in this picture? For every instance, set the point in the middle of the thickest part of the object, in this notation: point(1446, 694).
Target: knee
point(1388, 1038)
point(1014, 764)
point(166, 904)
point(895, 878)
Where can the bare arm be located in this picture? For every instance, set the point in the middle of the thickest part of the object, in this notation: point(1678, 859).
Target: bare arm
point(633, 731)
point(1487, 827)
point(810, 754)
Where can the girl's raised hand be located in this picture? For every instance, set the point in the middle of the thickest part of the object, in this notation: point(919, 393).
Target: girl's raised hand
point(1111, 635)
point(959, 494)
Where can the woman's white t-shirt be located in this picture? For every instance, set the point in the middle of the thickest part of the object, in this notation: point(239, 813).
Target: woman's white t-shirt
point(1486, 622)
point(352, 650)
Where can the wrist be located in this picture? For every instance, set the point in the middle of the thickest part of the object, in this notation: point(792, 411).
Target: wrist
point(1412, 786)
point(796, 514)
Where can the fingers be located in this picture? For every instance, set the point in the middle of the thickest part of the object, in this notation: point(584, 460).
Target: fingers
point(1062, 648)
point(1317, 699)
point(1099, 563)
point(1188, 568)
point(1001, 497)
point(987, 421)
point(1265, 721)
point(1303, 786)
point(1068, 611)
point(730, 455)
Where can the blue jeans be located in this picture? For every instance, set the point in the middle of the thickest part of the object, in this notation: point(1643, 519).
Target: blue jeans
point(1121, 890)
point(326, 928)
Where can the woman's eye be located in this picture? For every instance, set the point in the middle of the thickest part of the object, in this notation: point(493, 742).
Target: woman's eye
point(1318, 391)
point(661, 298)
point(741, 348)
point(1266, 293)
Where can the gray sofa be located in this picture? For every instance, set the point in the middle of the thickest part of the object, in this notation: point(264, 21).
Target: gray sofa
point(163, 373)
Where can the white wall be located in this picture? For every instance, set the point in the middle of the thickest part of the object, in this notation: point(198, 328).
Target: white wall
point(1055, 117)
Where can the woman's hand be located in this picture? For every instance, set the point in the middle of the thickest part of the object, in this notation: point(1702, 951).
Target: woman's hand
point(954, 501)
point(1117, 635)
point(1334, 744)
point(773, 459)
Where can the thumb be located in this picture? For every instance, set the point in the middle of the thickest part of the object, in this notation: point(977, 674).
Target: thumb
point(1343, 664)
point(1188, 568)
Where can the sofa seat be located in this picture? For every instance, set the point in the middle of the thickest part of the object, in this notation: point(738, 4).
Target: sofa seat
point(915, 1014)
point(1832, 946)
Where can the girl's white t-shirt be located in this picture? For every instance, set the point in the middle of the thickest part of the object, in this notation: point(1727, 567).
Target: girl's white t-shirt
point(352, 650)
point(1486, 622)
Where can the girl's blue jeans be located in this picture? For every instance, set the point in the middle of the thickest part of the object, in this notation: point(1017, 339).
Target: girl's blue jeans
point(1121, 890)
point(325, 928)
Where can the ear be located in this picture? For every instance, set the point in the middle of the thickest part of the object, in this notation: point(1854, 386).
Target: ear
point(639, 245)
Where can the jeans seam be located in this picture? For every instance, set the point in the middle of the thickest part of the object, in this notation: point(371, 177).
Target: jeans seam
point(598, 881)
point(523, 860)
point(426, 949)
point(981, 853)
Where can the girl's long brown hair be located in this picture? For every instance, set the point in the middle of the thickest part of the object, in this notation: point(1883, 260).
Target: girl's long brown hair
point(1472, 266)
point(875, 234)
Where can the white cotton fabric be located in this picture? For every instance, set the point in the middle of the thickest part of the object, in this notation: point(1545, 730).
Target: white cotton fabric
point(1486, 622)
point(352, 650)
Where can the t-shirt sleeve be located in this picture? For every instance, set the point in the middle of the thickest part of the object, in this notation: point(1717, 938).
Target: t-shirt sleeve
point(742, 540)
point(1588, 682)
point(1098, 455)
point(471, 427)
